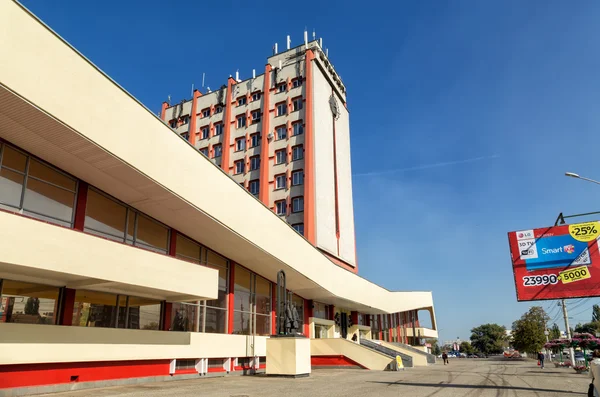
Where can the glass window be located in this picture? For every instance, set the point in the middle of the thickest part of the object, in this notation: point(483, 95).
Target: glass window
point(242, 101)
point(206, 113)
point(221, 264)
point(218, 129)
point(205, 132)
point(256, 116)
point(253, 186)
point(281, 133)
point(187, 249)
point(298, 303)
point(240, 144)
point(239, 167)
point(241, 121)
point(218, 149)
point(186, 317)
point(143, 314)
point(105, 217)
point(299, 227)
point(281, 109)
point(280, 207)
point(254, 140)
point(298, 129)
point(241, 323)
point(281, 87)
point(218, 109)
point(256, 96)
point(263, 324)
point(242, 289)
point(320, 310)
point(28, 303)
point(204, 151)
point(48, 194)
point(297, 103)
point(297, 178)
point(297, 152)
point(297, 82)
point(280, 182)
point(215, 320)
point(263, 295)
point(252, 303)
point(151, 234)
point(280, 156)
point(254, 163)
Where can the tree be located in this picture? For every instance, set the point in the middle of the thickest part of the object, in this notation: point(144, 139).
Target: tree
point(435, 348)
point(590, 328)
point(554, 332)
point(488, 338)
point(595, 313)
point(32, 306)
point(465, 347)
point(528, 332)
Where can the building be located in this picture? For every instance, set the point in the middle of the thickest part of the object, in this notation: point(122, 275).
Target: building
point(285, 136)
point(115, 267)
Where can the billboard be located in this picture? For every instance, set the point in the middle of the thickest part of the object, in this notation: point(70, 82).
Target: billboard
point(556, 262)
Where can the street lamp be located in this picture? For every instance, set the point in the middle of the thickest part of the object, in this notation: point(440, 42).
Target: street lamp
point(577, 176)
point(546, 332)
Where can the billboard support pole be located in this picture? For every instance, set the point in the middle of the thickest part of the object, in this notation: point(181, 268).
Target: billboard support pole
point(568, 332)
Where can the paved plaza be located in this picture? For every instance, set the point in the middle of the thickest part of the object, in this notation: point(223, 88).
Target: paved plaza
point(462, 377)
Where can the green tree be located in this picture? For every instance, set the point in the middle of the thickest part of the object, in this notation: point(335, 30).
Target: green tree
point(435, 348)
point(590, 328)
point(595, 313)
point(488, 338)
point(32, 306)
point(528, 332)
point(554, 332)
point(465, 347)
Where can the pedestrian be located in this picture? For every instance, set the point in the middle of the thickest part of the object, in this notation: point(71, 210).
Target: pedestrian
point(593, 369)
point(541, 359)
point(445, 358)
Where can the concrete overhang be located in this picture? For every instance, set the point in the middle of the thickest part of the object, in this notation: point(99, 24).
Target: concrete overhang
point(57, 105)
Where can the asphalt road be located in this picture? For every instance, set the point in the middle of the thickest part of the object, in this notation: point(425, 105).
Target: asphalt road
point(462, 377)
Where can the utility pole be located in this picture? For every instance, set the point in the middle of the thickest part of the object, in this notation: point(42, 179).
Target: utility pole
point(568, 332)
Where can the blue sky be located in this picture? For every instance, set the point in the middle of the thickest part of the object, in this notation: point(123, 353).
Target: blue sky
point(507, 90)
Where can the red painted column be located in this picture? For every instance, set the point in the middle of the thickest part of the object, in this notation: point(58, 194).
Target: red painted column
point(68, 304)
point(273, 309)
point(380, 321)
point(354, 317)
point(173, 243)
point(390, 328)
point(193, 115)
point(308, 313)
point(263, 190)
point(331, 312)
point(163, 111)
point(309, 158)
point(167, 316)
point(82, 193)
point(227, 127)
point(230, 299)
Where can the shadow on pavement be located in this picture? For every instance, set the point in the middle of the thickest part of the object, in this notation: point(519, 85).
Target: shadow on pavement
point(456, 386)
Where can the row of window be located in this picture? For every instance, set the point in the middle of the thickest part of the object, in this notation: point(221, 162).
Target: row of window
point(207, 112)
point(297, 206)
point(205, 131)
point(256, 96)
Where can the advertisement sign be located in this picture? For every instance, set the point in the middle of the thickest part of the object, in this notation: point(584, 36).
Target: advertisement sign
point(556, 262)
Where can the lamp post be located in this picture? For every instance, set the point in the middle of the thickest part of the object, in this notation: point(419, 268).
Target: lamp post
point(546, 332)
point(577, 176)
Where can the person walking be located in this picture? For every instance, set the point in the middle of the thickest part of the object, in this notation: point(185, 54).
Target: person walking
point(445, 358)
point(541, 359)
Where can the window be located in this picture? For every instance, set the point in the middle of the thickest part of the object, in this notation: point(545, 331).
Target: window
point(253, 186)
point(252, 303)
point(204, 151)
point(280, 207)
point(255, 116)
point(256, 96)
point(218, 129)
point(280, 181)
point(185, 120)
point(299, 227)
point(281, 87)
point(241, 121)
point(173, 123)
point(110, 219)
point(297, 153)
point(186, 136)
point(297, 82)
point(297, 129)
point(36, 189)
point(240, 144)
point(29, 303)
point(218, 149)
point(218, 109)
point(241, 101)
point(320, 310)
point(298, 204)
point(206, 112)
point(281, 133)
point(239, 167)
point(281, 109)
point(297, 103)
point(204, 132)
point(297, 178)
point(101, 309)
point(254, 163)
point(254, 140)
point(280, 156)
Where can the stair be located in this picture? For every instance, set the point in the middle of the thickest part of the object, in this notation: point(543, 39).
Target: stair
point(430, 357)
point(407, 360)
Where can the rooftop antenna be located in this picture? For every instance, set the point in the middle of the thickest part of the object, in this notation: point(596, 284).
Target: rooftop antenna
point(289, 41)
point(253, 73)
point(275, 49)
point(327, 52)
point(314, 35)
point(192, 90)
point(203, 79)
point(237, 76)
point(305, 38)
point(321, 42)
point(208, 89)
point(169, 99)
point(280, 64)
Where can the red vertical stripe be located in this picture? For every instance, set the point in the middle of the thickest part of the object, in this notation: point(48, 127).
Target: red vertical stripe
point(167, 316)
point(227, 127)
point(273, 309)
point(68, 305)
point(82, 194)
point(308, 313)
point(263, 190)
point(173, 243)
point(309, 162)
point(230, 299)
